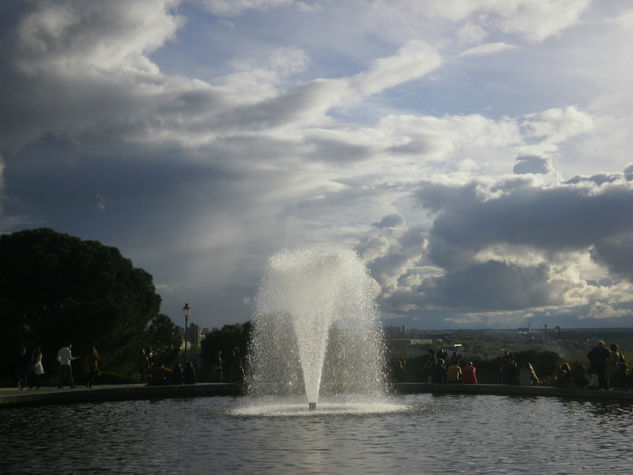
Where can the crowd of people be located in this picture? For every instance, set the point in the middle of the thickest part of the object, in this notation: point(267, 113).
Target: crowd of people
point(157, 374)
point(440, 369)
point(607, 370)
point(30, 370)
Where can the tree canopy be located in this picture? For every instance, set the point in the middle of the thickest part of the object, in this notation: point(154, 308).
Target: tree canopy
point(57, 289)
point(165, 339)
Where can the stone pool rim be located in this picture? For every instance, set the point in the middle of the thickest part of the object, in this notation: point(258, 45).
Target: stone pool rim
point(12, 397)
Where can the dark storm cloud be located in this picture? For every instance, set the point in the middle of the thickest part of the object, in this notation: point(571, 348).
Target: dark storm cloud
point(139, 186)
point(493, 286)
point(560, 219)
point(616, 252)
point(437, 196)
point(521, 220)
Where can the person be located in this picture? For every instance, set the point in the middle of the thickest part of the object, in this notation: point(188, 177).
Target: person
point(91, 366)
point(527, 375)
point(579, 376)
point(508, 369)
point(430, 362)
point(176, 374)
point(189, 374)
point(611, 365)
point(438, 372)
point(142, 363)
point(237, 366)
point(218, 366)
point(564, 376)
point(401, 370)
point(150, 357)
point(65, 358)
point(619, 379)
point(37, 369)
point(454, 373)
point(469, 374)
point(597, 358)
point(22, 369)
point(158, 376)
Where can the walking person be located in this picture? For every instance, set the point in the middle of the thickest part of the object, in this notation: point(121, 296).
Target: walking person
point(22, 370)
point(37, 368)
point(65, 358)
point(142, 363)
point(91, 366)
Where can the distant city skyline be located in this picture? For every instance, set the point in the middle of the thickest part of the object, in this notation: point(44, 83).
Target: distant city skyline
point(476, 155)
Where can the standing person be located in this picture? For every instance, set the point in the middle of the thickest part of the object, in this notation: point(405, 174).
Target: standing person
point(438, 372)
point(150, 357)
point(611, 365)
point(22, 369)
point(65, 358)
point(142, 363)
point(91, 366)
point(428, 366)
point(218, 366)
point(37, 368)
point(237, 366)
point(598, 359)
point(176, 376)
point(509, 370)
point(189, 373)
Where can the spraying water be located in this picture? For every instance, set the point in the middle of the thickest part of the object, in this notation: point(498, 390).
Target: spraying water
point(316, 328)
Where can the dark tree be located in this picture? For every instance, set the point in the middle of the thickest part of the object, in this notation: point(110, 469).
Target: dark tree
point(57, 289)
point(226, 339)
point(165, 339)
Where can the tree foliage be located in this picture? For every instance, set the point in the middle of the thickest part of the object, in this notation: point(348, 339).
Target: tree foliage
point(164, 338)
point(57, 289)
point(225, 340)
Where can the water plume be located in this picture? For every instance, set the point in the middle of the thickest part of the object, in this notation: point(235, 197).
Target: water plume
point(316, 328)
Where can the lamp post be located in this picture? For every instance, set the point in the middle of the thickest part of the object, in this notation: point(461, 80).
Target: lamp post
point(185, 311)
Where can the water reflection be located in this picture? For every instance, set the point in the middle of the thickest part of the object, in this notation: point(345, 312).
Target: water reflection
point(430, 434)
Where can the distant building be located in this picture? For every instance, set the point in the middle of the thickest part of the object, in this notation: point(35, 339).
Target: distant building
point(421, 341)
point(194, 334)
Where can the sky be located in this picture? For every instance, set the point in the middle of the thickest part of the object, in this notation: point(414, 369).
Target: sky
point(476, 155)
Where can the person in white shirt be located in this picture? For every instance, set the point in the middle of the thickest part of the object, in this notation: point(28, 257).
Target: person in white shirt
point(65, 357)
point(38, 369)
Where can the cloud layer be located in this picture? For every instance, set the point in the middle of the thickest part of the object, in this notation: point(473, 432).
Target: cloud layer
point(466, 150)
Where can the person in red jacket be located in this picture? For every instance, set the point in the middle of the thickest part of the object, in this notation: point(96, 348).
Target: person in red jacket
point(469, 373)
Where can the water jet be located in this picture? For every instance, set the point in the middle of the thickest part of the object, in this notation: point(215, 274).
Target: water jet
point(316, 330)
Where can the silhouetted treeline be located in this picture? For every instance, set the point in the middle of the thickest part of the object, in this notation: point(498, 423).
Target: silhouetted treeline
point(57, 289)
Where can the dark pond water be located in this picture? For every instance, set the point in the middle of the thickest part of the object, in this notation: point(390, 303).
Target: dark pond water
point(411, 434)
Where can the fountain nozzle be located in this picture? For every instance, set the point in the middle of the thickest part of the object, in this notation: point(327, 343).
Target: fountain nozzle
point(312, 406)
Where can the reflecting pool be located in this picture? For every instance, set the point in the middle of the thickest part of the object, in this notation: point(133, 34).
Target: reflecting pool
point(421, 433)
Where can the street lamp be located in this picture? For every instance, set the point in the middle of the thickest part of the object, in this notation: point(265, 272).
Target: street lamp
point(185, 311)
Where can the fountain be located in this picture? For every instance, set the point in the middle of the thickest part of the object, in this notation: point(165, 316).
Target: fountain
point(316, 329)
